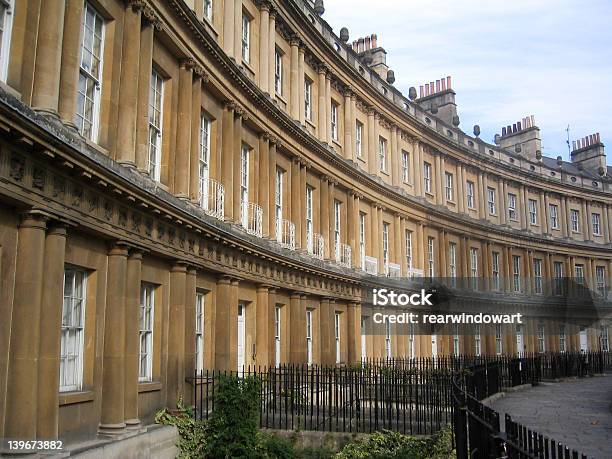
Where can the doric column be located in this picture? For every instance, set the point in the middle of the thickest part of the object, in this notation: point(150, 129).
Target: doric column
point(524, 210)
point(183, 132)
point(321, 127)
point(397, 240)
point(144, 82)
point(271, 217)
point(564, 218)
point(300, 225)
point(223, 305)
point(485, 194)
point(265, 180)
point(348, 132)
point(45, 90)
point(330, 206)
point(503, 212)
point(262, 329)
point(324, 208)
point(237, 29)
point(50, 333)
point(296, 198)
point(176, 334)
point(112, 419)
point(132, 338)
point(227, 165)
point(271, 50)
point(294, 103)
point(194, 155)
point(371, 155)
point(420, 244)
point(301, 95)
point(353, 126)
point(128, 88)
point(70, 63)
point(438, 181)
point(297, 327)
point(486, 264)
point(264, 46)
point(190, 324)
point(228, 28)
point(328, 107)
point(460, 189)
point(236, 153)
point(544, 201)
point(354, 332)
point(22, 382)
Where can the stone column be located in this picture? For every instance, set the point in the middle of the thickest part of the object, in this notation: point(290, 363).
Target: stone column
point(523, 207)
point(264, 180)
point(503, 212)
point(45, 90)
point(70, 62)
point(480, 196)
point(190, 324)
point(300, 225)
point(223, 305)
point(420, 245)
point(321, 126)
point(294, 102)
point(348, 132)
point(236, 153)
point(376, 230)
point(271, 50)
point(324, 199)
point(196, 121)
point(183, 131)
point(264, 46)
point(297, 344)
point(237, 29)
point(328, 107)
point(564, 218)
point(301, 95)
point(397, 240)
point(544, 205)
point(326, 332)
point(296, 198)
point(262, 329)
point(228, 28)
point(22, 382)
point(128, 89)
point(50, 333)
point(371, 154)
point(270, 216)
point(112, 418)
point(354, 332)
point(132, 338)
point(144, 82)
point(176, 337)
point(227, 165)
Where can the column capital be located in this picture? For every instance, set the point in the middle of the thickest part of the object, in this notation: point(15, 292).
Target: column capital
point(229, 105)
point(34, 218)
point(265, 6)
point(347, 91)
point(151, 18)
point(118, 248)
point(136, 253)
point(295, 40)
point(264, 288)
point(295, 294)
point(322, 68)
point(179, 267)
point(136, 5)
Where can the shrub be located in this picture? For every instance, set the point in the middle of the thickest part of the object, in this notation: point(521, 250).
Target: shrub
point(192, 433)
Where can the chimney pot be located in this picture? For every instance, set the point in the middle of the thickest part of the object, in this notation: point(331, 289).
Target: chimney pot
point(448, 82)
point(367, 43)
point(503, 131)
point(374, 40)
point(437, 85)
point(420, 91)
point(573, 145)
point(431, 88)
point(532, 118)
point(443, 84)
point(514, 128)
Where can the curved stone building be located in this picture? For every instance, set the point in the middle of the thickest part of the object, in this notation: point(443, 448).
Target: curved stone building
point(190, 184)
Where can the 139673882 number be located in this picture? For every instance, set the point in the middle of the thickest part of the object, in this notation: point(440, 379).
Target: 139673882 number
point(33, 445)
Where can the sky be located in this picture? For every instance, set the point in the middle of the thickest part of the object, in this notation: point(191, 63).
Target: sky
point(507, 58)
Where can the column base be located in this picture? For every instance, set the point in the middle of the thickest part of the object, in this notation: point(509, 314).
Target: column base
point(132, 424)
point(111, 430)
point(70, 125)
point(127, 163)
point(47, 112)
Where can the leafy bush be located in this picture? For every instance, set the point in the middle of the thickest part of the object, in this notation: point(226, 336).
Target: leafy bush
point(387, 444)
point(192, 433)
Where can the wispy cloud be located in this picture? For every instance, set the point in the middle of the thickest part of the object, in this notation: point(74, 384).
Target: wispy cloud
point(550, 58)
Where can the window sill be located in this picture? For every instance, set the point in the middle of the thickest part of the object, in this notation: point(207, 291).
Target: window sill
point(335, 141)
point(310, 123)
point(71, 398)
point(383, 172)
point(280, 97)
point(149, 386)
point(361, 158)
point(429, 194)
point(451, 202)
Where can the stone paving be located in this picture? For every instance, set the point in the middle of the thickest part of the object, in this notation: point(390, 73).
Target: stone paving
point(576, 412)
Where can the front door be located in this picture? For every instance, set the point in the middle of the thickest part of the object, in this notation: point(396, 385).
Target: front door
point(519, 339)
point(363, 340)
point(584, 342)
point(434, 345)
point(241, 328)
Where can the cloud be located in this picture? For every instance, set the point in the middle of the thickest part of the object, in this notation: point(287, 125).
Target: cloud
point(550, 58)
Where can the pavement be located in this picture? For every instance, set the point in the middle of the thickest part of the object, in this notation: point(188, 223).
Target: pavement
point(576, 412)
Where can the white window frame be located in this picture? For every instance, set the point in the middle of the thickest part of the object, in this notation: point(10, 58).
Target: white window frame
point(495, 270)
point(512, 207)
point(278, 72)
point(309, 345)
point(7, 31)
point(385, 247)
point(491, 201)
point(448, 181)
point(156, 122)
point(477, 341)
point(359, 138)
point(244, 184)
point(409, 259)
point(200, 305)
point(474, 266)
point(146, 330)
point(362, 240)
point(579, 274)
point(452, 262)
point(246, 38)
point(596, 223)
point(334, 121)
point(337, 228)
point(382, 153)
point(605, 338)
point(337, 332)
point(575, 219)
point(278, 201)
point(72, 347)
point(541, 336)
point(388, 343)
point(499, 345)
point(430, 256)
point(277, 335)
point(207, 6)
point(204, 158)
point(516, 272)
point(427, 177)
point(553, 211)
point(469, 191)
point(600, 279)
point(405, 166)
point(308, 99)
point(537, 276)
point(87, 75)
point(562, 339)
point(309, 218)
point(533, 211)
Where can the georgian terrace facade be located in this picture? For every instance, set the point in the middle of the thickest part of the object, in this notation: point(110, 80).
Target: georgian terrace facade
point(212, 184)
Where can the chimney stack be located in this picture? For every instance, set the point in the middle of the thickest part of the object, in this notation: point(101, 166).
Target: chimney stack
point(590, 153)
point(439, 96)
point(372, 54)
point(524, 134)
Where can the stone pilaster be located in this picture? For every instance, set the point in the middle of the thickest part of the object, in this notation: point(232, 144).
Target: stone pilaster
point(236, 153)
point(354, 332)
point(237, 29)
point(301, 95)
point(271, 50)
point(223, 305)
point(371, 154)
point(112, 420)
point(190, 322)
point(297, 325)
point(270, 217)
point(348, 132)
point(132, 338)
point(326, 332)
point(262, 326)
point(264, 181)
point(264, 46)
point(321, 126)
point(176, 337)
point(227, 165)
point(294, 95)
point(228, 28)
point(324, 208)
point(50, 333)
point(70, 63)
point(128, 89)
point(144, 82)
point(296, 198)
point(196, 121)
point(183, 132)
